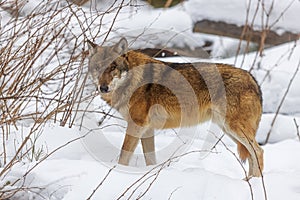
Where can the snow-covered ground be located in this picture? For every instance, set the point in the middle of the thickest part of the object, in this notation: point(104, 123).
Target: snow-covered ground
point(75, 170)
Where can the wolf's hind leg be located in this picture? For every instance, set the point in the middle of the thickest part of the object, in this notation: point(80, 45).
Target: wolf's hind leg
point(250, 149)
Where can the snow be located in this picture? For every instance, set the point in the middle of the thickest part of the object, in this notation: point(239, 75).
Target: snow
point(75, 170)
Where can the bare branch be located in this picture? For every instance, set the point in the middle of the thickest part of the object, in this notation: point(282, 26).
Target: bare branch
point(297, 128)
point(102, 181)
point(281, 102)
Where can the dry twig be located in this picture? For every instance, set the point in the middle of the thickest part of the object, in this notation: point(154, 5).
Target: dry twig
point(102, 181)
point(281, 103)
point(297, 128)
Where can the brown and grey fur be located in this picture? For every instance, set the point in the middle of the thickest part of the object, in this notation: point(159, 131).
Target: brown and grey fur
point(138, 87)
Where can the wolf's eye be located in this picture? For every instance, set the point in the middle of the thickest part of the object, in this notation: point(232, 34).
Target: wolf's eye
point(113, 66)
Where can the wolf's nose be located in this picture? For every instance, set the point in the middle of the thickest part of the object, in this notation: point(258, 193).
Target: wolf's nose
point(104, 88)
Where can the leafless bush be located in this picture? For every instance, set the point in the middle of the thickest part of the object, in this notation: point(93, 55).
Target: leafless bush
point(42, 74)
point(13, 7)
point(263, 13)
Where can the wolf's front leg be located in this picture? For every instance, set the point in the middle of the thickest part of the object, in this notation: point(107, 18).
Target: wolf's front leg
point(133, 135)
point(149, 147)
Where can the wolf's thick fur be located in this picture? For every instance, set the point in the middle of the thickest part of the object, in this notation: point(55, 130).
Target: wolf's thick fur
point(152, 94)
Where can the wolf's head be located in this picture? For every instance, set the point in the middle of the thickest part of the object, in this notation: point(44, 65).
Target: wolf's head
point(108, 65)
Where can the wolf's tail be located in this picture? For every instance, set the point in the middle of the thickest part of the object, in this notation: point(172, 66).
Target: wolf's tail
point(243, 152)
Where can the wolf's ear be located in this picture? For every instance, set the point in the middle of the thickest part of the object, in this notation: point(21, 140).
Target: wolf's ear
point(122, 46)
point(92, 47)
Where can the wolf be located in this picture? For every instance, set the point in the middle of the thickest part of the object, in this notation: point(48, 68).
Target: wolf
point(151, 94)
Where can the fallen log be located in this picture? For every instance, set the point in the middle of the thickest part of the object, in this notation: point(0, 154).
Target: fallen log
point(245, 33)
